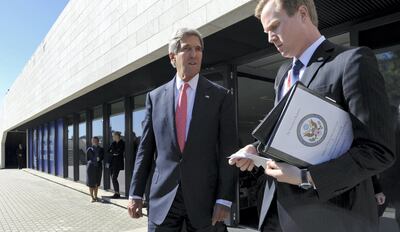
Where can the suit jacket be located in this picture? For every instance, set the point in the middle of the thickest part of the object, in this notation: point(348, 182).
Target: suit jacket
point(202, 169)
point(93, 152)
point(19, 152)
point(117, 162)
point(344, 196)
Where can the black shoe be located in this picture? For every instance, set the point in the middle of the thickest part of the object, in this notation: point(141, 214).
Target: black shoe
point(115, 196)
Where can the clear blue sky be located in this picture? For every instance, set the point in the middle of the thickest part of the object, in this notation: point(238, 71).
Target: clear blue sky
point(23, 25)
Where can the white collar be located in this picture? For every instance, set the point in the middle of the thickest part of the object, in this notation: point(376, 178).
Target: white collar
point(192, 83)
point(307, 54)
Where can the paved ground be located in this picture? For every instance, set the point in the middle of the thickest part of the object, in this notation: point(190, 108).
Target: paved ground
point(31, 203)
point(36, 201)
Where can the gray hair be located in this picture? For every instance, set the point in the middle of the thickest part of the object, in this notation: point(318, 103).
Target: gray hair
point(175, 43)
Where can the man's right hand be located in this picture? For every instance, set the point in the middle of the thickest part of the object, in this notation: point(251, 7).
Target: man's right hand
point(135, 208)
point(244, 164)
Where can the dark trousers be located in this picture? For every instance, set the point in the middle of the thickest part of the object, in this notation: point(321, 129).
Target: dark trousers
point(114, 179)
point(271, 222)
point(20, 163)
point(396, 205)
point(177, 219)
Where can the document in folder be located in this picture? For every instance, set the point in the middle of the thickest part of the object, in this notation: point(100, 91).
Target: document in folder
point(304, 129)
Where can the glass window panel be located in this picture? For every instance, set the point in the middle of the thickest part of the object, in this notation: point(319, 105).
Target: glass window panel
point(82, 147)
point(389, 65)
point(51, 147)
point(138, 115)
point(117, 123)
point(35, 152)
point(97, 128)
point(45, 148)
point(261, 95)
point(40, 146)
point(97, 124)
point(70, 154)
point(60, 147)
point(30, 147)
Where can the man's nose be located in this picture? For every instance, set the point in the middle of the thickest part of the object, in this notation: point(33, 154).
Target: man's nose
point(192, 52)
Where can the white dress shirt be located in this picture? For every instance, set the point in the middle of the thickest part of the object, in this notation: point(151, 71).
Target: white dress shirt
point(190, 93)
point(304, 58)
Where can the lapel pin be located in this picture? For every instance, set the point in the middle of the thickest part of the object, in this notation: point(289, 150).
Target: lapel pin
point(207, 96)
point(320, 58)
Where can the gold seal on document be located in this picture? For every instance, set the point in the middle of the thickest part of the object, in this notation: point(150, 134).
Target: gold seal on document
point(312, 130)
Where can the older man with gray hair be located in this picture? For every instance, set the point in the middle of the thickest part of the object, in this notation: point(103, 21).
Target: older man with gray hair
point(190, 125)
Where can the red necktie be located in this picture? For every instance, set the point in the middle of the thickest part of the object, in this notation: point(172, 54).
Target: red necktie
point(180, 116)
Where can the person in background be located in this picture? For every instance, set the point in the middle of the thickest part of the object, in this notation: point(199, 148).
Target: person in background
point(116, 149)
point(94, 168)
point(20, 152)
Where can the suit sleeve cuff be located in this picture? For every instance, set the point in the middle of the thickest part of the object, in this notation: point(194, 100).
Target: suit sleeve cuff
point(224, 202)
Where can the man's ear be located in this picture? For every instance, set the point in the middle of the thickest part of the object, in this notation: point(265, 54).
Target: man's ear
point(303, 12)
point(172, 58)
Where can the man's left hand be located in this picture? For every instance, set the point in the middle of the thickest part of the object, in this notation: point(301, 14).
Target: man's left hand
point(284, 172)
point(221, 212)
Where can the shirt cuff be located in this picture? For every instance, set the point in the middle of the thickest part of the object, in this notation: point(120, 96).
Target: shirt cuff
point(224, 202)
point(134, 197)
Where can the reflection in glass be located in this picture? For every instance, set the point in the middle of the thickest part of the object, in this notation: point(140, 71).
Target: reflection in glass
point(256, 98)
point(35, 152)
point(45, 154)
point(70, 153)
point(82, 147)
point(40, 145)
point(52, 167)
point(389, 65)
point(138, 114)
point(60, 147)
point(29, 148)
point(97, 124)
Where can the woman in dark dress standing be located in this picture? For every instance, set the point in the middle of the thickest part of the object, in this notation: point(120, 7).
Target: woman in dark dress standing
point(95, 156)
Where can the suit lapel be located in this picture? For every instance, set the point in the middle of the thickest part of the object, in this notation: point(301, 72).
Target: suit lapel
point(169, 93)
point(199, 106)
point(318, 59)
point(283, 72)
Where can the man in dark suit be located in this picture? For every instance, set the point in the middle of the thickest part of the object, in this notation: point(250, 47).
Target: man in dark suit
point(336, 195)
point(117, 149)
point(190, 126)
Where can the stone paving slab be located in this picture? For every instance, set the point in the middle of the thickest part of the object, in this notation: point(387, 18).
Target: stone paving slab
point(105, 195)
point(30, 203)
point(31, 200)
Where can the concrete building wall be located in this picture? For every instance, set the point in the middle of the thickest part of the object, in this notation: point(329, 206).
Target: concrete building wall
point(95, 42)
